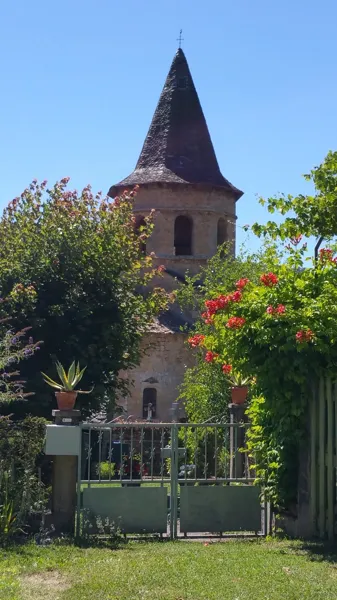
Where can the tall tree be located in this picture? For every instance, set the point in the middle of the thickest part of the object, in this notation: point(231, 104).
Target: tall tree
point(72, 268)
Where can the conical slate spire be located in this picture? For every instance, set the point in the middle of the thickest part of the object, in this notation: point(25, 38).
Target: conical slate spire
point(178, 147)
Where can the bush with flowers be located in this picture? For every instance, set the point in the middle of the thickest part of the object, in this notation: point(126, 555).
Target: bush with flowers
point(280, 330)
point(72, 267)
point(204, 392)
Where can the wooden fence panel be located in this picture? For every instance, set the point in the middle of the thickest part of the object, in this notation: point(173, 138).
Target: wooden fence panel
point(323, 452)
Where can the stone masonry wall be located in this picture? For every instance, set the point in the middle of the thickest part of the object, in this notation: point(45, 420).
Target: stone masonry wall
point(203, 206)
point(164, 365)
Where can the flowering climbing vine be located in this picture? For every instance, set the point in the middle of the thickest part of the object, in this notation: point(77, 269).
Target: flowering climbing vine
point(281, 331)
point(277, 325)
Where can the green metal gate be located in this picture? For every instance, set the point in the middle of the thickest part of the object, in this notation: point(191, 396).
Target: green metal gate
point(169, 479)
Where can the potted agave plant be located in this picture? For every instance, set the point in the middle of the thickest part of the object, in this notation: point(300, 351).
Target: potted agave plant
point(239, 387)
point(66, 394)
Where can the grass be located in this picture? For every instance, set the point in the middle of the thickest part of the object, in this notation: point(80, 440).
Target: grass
point(231, 570)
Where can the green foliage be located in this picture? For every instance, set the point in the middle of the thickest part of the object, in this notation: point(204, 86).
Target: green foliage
point(21, 491)
point(9, 522)
point(311, 215)
point(68, 380)
point(205, 390)
point(279, 328)
point(221, 272)
point(238, 380)
point(283, 335)
point(205, 393)
point(71, 267)
point(14, 347)
point(106, 470)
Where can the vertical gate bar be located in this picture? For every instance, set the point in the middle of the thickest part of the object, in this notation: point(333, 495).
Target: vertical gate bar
point(236, 452)
point(246, 467)
point(174, 482)
point(161, 454)
point(176, 437)
point(230, 442)
point(152, 451)
point(175, 459)
point(185, 453)
point(110, 452)
point(172, 485)
point(89, 457)
point(330, 462)
point(264, 530)
point(231, 449)
point(100, 435)
point(321, 438)
point(205, 469)
point(79, 491)
point(313, 457)
point(216, 453)
point(131, 453)
point(141, 452)
point(195, 451)
point(121, 467)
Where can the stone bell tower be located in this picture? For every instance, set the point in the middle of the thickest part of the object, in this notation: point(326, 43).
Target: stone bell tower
point(178, 176)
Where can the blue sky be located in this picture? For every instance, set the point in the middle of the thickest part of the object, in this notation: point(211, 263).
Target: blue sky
point(81, 79)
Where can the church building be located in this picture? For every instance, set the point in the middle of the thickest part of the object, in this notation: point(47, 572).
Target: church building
point(179, 177)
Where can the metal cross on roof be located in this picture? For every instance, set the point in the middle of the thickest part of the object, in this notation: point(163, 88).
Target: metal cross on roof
point(180, 39)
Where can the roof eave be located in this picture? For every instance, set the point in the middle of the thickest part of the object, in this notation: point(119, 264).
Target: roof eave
point(116, 189)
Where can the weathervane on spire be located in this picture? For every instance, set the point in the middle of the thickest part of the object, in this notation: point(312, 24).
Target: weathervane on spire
point(180, 39)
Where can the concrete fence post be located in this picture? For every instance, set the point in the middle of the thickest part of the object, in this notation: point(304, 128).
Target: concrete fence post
point(63, 441)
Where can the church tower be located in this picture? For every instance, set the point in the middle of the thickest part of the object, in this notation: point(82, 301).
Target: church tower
point(178, 176)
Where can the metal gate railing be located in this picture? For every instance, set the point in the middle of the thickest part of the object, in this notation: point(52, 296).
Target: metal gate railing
point(169, 479)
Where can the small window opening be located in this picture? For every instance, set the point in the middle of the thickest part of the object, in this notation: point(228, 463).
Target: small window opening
point(183, 236)
point(140, 227)
point(149, 403)
point(222, 236)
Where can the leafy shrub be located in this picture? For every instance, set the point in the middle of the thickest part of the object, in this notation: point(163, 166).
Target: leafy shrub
point(279, 328)
point(14, 347)
point(79, 255)
point(22, 492)
point(106, 470)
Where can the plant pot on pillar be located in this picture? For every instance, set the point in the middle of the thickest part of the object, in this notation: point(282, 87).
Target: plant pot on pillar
point(239, 389)
point(239, 394)
point(66, 394)
point(65, 400)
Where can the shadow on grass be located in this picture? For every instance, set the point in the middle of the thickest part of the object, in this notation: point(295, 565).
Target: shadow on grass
point(320, 551)
point(117, 543)
point(28, 546)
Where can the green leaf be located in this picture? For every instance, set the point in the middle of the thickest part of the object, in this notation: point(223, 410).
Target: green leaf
point(62, 374)
point(71, 373)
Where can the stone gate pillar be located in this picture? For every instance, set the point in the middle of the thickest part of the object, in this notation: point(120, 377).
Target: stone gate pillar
point(63, 441)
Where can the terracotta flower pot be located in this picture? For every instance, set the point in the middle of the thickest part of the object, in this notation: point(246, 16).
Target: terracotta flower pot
point(239, 394)
point(65, 400)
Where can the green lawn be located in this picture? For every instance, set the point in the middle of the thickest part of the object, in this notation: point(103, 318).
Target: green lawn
point(231, 570)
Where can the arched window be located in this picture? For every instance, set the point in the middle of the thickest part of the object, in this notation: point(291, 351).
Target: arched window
point(149, 403)
point(183, 236)
point(222, 232)
point(139, 225)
